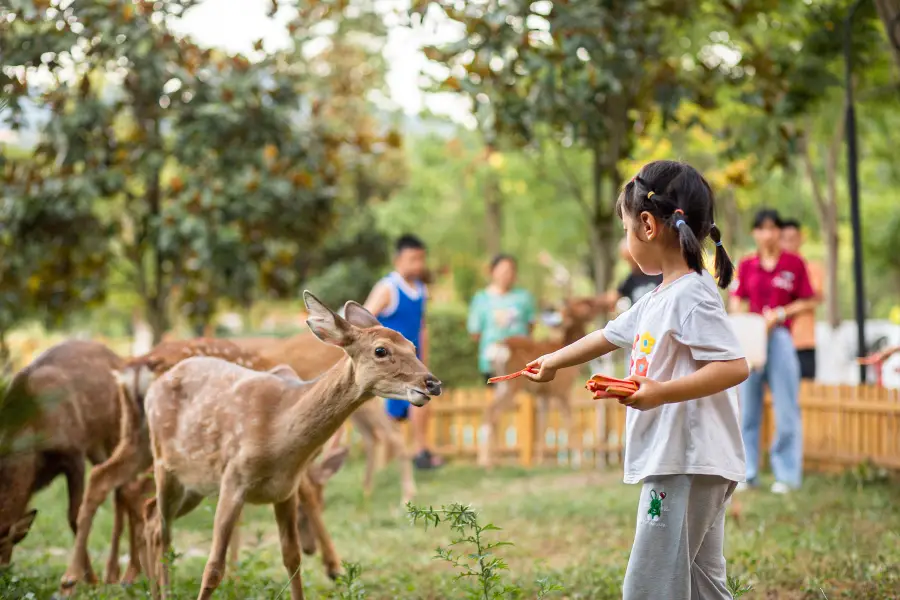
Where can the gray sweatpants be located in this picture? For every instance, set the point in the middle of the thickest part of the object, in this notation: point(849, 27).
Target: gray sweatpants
point(678, 545)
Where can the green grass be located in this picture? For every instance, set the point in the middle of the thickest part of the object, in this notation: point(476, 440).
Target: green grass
point(838, 538)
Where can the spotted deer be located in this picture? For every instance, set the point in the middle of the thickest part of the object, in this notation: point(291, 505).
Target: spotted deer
point(78, 419)
point(309, 357)
point(132, 457)
point(216, 427)
point(513, 354)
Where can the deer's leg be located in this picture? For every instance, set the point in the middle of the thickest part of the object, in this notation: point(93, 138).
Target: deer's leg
point(169, 497)
point(234, 547)
point(133, 496)
point(228, 511)
point(540, 430)
point(286, 516)
point(112, 564)
point(313, 511)
point(572, 439)
point(72, 466)
point(371, 448)
point(407, 479)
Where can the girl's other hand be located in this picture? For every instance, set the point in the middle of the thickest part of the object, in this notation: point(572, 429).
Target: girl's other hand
point(538, 370)
point(649, 395)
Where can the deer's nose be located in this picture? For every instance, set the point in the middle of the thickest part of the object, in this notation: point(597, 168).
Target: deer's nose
point(433, 385)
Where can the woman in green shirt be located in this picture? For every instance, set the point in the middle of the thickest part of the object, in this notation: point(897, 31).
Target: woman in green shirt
point(500, 311)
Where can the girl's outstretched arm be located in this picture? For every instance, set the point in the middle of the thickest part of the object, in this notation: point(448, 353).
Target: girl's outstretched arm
point(711, 378)
point(591, 346)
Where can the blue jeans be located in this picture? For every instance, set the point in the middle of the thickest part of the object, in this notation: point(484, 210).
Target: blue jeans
point(782, 373)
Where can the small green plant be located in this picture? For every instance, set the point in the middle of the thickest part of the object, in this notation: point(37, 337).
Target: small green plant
point(737, 586)
point(477, 559)
point(348, 584)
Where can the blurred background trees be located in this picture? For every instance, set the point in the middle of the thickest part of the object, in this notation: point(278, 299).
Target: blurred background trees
point(145, 173)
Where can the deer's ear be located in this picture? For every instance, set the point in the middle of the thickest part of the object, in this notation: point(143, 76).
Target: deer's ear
point(330, 465)
point(359, 316)
point(324, 324)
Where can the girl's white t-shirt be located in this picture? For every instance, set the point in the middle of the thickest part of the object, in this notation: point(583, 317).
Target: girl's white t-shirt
point(672, 332)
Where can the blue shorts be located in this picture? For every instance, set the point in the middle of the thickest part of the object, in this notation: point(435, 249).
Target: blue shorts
point(397, 409)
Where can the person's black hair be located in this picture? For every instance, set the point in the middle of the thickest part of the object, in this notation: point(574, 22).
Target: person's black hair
point(495, 262)
point(408, 241)
point(678, 195)
point(767, 214)
point(790, 224)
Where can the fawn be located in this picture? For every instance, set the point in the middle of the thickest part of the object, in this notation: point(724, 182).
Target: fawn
point(132, 457)
point(218, 427)
point(78, 418)
point(309, 357)
point(514, 353)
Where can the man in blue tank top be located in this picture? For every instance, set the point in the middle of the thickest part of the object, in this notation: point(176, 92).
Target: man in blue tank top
point(398, 301)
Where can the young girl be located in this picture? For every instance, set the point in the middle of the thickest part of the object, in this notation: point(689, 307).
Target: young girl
point(683, 434)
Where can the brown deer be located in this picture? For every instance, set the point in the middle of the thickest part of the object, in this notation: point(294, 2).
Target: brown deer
point(513, 354)
point(132, 457)
point(309, 357)
point(78, 420)
point(216, 427)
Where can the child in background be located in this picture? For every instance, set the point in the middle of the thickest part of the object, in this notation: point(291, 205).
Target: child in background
point(683, 435)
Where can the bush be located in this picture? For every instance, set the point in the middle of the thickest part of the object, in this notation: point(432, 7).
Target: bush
point(454, 355)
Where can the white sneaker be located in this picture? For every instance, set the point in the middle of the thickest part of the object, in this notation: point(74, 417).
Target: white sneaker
point(780, 488)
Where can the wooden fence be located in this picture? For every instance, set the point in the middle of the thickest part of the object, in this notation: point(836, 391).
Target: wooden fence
point(842, 426)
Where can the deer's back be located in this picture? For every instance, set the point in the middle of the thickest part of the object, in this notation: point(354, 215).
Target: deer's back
point(77, 393)
point(303, 352)
point(205, 413)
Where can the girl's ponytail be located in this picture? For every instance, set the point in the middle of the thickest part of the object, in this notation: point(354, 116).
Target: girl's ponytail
point(691, 249)
point(724, 266)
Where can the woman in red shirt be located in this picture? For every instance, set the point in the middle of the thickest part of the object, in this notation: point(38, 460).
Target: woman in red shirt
point(774, 284)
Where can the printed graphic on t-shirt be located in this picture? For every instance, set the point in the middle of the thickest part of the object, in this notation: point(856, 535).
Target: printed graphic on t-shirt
point(784, 280)
point(640, 354)
point(505, 317)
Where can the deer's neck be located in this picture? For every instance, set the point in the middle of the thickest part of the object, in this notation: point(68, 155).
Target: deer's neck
point(318, 409)
point(573, 333)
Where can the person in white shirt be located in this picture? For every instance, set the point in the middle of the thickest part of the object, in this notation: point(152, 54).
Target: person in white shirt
point(683, 433)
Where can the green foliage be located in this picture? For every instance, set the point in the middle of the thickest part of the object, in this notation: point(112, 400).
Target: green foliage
point(212, 179)
point(349, 586)
point(453, 352)
point(737, 587)
point(476, 560)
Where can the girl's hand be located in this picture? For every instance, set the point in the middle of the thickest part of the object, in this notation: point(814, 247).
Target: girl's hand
point(651, 394)
point(538, 370)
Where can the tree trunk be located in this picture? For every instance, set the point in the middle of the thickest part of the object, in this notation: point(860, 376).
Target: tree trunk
point(832, 291)
point(5, 362)
point(493, 209)
point(603, 236)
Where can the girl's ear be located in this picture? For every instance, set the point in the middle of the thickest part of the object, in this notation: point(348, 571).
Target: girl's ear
point(648, 226)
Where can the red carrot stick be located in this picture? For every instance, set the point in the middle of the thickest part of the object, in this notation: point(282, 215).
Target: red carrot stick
point(500, 378)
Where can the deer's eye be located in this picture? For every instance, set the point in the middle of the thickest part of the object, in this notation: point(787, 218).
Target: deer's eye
point(381, 352)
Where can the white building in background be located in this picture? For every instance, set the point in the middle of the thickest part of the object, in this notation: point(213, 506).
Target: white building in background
point(836, 352)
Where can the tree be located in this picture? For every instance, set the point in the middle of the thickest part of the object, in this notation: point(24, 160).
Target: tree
point(537, 72)
point(215, 185)
point(790, 61)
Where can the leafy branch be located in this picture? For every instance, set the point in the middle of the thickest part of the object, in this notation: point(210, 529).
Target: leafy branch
point(476, 560)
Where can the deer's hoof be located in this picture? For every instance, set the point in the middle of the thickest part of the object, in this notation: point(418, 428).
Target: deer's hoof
point(334, 573)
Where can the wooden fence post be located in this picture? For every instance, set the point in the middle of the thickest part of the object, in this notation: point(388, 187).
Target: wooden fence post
point(525, 433)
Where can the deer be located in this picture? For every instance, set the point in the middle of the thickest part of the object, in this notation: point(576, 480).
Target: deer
point(514, 353)
point(132, 458)
point(78, 419)
point(309, 357)
point(217, 427)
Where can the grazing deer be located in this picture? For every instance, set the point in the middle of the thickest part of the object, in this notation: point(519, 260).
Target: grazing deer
point(513, 354)
point(132, 457)
point(309, 357)
point(78, 419)
point(216, 427)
